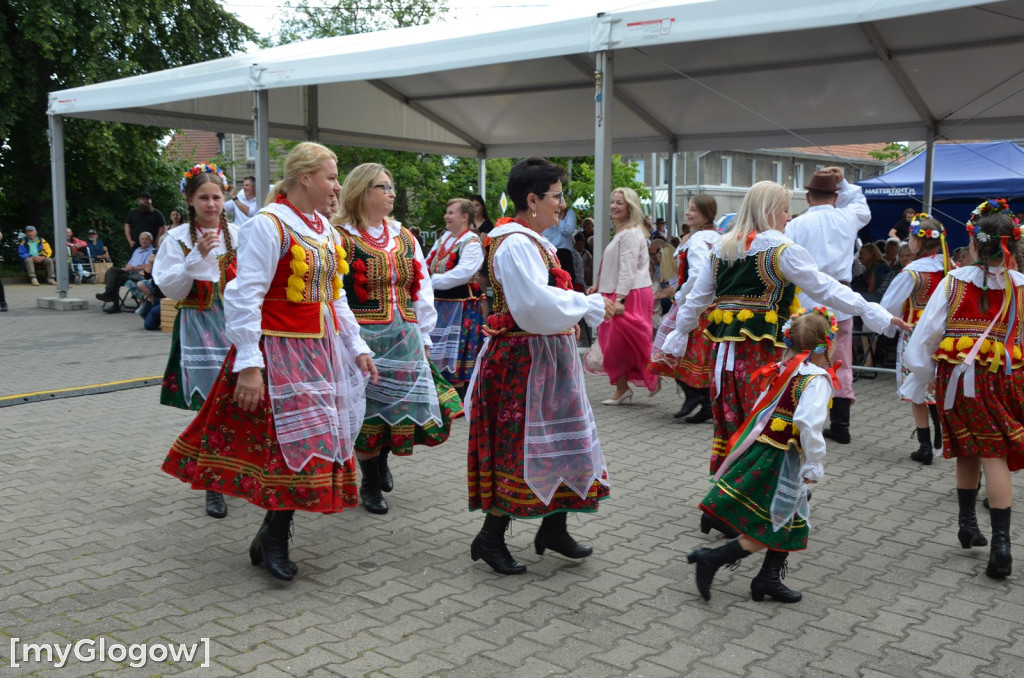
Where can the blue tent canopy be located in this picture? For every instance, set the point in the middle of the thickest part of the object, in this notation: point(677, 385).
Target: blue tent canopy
point(962, 176)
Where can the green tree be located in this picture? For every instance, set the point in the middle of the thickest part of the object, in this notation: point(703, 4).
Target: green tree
point(50, 45)
point(894, 150)
point(310, 20)
point(581, 185)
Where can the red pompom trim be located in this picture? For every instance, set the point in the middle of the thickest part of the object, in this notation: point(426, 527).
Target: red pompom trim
point(359, 281)
point(414, 288)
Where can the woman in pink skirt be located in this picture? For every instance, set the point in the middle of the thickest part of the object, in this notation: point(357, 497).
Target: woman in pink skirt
point(625, 277)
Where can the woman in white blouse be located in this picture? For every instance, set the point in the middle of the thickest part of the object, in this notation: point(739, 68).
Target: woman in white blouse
point(533, 447)
point(453, 263)
point(624, 276)
point(278, 428)
point(195, 263)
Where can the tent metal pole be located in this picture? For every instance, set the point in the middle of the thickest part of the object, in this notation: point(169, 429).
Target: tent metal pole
point(261, 124)
point(929, 164)
point(481, 178)
point(670, 206)
point(603, 88)
point(60, 207)
point(313, 112)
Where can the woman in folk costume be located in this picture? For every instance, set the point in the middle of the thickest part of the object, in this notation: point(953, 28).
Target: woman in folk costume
point(970, 332)
point(195, 263)
point(279, 427)
point(752, 279)
point(693, 370)
point(533, 447)
point(906, 296)
point(453, 262)
point(390, 295)
point(761, 487)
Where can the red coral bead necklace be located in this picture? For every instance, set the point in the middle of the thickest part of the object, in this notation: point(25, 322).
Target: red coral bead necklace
point(379, 242)
point(317, 225)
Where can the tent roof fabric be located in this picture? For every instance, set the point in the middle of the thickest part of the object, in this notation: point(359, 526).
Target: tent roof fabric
point(687, 76)
point(959, 171)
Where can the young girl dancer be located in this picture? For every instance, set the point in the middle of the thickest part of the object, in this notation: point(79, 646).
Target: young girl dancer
point(971, 328)
point(906, 296)
point(195, 263)
point(761, 487)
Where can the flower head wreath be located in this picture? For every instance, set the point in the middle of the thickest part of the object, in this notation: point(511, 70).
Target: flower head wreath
point(991, 206)
point(926, 227)
point(202, 168)
point(833, 327)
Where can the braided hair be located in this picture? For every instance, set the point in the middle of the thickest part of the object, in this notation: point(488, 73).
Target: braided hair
point(990, 233)
point(191, 186)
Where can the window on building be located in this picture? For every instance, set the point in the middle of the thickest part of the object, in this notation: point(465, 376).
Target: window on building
point(641, 178)
point(727, 170)
point(250, 149)
point(777, 172)
point(798, 176)
point(665, 168)
point(753, 171)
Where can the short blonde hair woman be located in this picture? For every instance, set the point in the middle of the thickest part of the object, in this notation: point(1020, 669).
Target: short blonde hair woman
point(752, 276)
point(624, 276)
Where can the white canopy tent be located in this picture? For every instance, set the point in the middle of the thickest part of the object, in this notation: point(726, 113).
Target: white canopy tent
point(656, 78)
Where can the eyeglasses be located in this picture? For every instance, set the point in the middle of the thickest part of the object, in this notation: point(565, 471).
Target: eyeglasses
point(387, 188)
point(560, 196)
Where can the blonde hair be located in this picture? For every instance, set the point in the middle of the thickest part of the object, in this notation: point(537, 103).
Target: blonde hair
point(465, 206)
point(305, 158)
point(807, 331)
point(668, 268)
point(636, 211)
point(762, 201)
point(353, 193)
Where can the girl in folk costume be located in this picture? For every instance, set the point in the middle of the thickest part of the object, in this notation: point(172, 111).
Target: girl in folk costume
point(195, 263)
point(533, 447)
point(692, 371)
point(390, 295)
point(761, 487)
point(970, 332)
point(752, 280)
point(279, 427)
point(453, 263)
point(906, 296)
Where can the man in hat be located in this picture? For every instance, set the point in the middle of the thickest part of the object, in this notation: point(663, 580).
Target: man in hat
point(828, 230)
point(143, 218)
point(35, 251)
point(659, 229)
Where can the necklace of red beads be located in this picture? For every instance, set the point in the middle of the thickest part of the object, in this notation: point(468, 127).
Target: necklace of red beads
point(315, 223)
point(443, 252)
point(379, 242)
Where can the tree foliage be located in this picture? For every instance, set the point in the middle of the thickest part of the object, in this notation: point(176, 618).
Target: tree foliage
point(50, 45)
point(308, 20)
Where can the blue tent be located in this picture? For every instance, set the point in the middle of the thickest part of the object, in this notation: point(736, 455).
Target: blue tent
point(962, 176)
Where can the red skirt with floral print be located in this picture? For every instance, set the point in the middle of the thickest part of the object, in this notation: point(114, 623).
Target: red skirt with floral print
point(733, 402)
point(991, 424)
point(496, 432)
point(229, 450)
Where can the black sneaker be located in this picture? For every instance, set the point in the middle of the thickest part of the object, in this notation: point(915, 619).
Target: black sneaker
point(104, 296)
point(3, 308)
point(112, 309)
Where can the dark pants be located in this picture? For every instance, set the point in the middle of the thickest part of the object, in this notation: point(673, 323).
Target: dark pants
point(117, 277)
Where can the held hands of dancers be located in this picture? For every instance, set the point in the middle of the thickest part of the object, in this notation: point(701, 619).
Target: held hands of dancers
point(249, 388)
point(365, 363)
point(609, 308)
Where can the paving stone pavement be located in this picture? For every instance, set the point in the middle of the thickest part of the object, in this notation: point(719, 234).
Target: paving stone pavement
point(96, 543)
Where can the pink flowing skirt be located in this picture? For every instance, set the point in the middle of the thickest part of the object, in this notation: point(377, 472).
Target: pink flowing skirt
point(626, 340)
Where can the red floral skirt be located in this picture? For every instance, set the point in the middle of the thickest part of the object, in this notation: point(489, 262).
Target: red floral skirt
point(991, 424)
point(229, 450)
point(733, 402)
point(496, 433)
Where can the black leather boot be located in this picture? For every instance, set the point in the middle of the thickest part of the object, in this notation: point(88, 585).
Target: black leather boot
point(704, 413)
point(690, 402)
point(709, 560)
point(769, 580)
point(256, 548)
point(999, 561)
point(969, 534)
point(215, 506)
point(924, 452)
point(709, 522)
point(369, 487)
point(933, 412)
point(839, 421)
point(553, 534)
point(489, 544)
point(274, 545)
point(387, 481)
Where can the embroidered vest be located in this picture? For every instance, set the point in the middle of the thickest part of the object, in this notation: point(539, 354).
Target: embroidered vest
point(307, 278)
point(202, 294)
point(501, 321)
point(781, 431)
point(925, 284)
point(368, 285)
point(442, 261)
point(753, 300)
point(966, 322)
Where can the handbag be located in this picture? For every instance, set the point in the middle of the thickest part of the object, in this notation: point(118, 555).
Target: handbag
point(593, 360)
